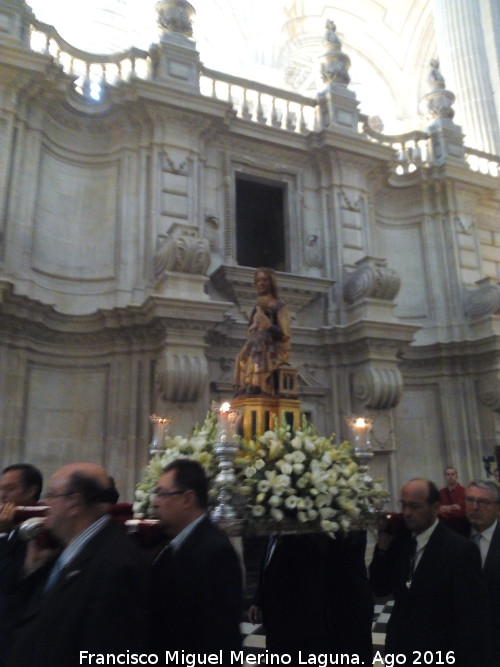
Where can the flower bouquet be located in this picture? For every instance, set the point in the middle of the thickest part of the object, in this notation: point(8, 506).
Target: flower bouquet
point(287, 481)
point(303, 482)
point(198, 446)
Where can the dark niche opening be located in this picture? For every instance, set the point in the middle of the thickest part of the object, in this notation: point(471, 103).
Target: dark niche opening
point(260, 224)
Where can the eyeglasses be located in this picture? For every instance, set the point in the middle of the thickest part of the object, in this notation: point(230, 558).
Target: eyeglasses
point(51, 496)
point(164, 494)
point(482, 502)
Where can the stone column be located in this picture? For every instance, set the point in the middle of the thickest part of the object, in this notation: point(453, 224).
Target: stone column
point(468, 37)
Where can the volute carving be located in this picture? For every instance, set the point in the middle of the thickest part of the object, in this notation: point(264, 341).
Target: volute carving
point(371, 280)
point(379, 388)
point(483, 301)
point(181, 376)
point(489, 391)
point(182, 250)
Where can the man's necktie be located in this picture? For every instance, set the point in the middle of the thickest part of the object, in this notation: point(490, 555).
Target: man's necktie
point(164, 556)
point(476, 538)
point(54, 575)
point(413, 559)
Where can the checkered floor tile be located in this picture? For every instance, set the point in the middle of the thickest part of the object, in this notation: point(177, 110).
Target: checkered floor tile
point(255, 640)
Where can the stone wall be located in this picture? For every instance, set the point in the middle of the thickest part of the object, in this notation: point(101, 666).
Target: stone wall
point(120, 293)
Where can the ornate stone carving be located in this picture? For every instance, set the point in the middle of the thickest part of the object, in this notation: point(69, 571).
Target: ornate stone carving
point(371, 280)
point(335, 64)
point(379, 388)
point(181, 376)
point(438, 101)
point(489, 391)
point(181, 250)
point(176, 16)
point(312, 251)
point(483, 301)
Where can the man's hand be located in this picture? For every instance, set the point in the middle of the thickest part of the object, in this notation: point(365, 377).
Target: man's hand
point(7, 512)
point(37, 556)
point(384, 539)
point(448, 509)
point(254, 614)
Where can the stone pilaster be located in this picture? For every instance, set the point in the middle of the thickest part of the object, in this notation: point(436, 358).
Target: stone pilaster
point(15, 17)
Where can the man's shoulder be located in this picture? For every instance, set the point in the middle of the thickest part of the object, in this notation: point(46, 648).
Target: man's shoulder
point(495, 538)
point(446, 536)
point(206, 528)
point(208, 537)
point(112, 540)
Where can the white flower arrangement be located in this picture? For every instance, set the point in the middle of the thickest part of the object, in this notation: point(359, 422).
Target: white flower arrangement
point(198, 446)
point(304, 481)
point(287, 481)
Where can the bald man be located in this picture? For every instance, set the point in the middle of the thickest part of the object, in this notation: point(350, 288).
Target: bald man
point(434, 575)
point(90, 595)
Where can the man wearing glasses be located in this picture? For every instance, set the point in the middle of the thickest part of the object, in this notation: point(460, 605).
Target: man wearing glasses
point(434, 575)
point(196, 599)
point(89, 595)
point(481, 507)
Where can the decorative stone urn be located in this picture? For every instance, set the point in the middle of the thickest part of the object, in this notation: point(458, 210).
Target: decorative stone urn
point(176, 16)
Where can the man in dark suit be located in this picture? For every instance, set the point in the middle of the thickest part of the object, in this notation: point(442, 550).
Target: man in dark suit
point(435, 577)
point(196, 597)
point(482, 500)
point(313, 595)
point(20, 484)
point(292, 595)
point(92, 597)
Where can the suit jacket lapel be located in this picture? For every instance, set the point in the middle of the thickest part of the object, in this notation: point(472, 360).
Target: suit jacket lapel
point(493, 557)
point(431, 551)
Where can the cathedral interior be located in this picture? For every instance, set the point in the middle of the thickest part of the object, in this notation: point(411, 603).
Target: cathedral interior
point(152, 158)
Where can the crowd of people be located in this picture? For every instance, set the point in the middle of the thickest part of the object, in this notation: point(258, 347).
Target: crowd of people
point(91, 591)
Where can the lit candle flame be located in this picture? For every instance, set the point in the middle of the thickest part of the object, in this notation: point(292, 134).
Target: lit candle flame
point(360, 423)
point(225, 407)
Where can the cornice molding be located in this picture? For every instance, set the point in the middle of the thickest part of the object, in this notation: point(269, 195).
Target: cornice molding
point(237, 282)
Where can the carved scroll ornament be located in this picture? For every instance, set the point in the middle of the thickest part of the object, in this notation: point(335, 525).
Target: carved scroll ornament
point(182, 251)
point(483, 301)
point(372, 280)
point(181, 377)
point(379, 388)
point(489, 391)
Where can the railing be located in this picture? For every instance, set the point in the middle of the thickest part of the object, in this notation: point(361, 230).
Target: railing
point(92, 71)
point(411, 148)
point(260, 103)
point(485, 163)
point(251, 100)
